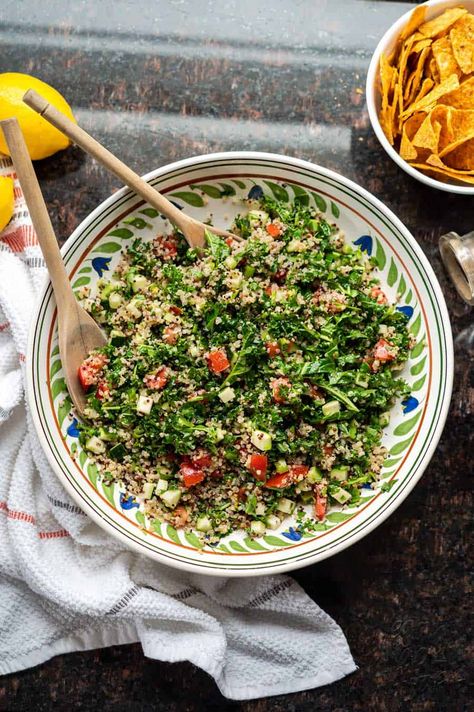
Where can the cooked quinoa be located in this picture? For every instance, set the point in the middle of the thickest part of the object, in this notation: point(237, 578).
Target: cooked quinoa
point(246, 381)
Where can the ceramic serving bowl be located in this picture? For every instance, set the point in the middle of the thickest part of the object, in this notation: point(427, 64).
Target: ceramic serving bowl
point(373, 95)
point(216, 184)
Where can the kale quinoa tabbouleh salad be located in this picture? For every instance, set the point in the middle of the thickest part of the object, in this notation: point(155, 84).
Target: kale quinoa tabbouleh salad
point(242, 383)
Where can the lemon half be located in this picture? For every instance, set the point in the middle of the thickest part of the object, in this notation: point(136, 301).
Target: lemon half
point(41, 138)
point(6, 201)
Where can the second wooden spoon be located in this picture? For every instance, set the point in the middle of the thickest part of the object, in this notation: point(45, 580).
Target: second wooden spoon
point(193, 230)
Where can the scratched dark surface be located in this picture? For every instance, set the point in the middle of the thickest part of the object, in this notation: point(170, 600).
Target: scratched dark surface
point(159, 81)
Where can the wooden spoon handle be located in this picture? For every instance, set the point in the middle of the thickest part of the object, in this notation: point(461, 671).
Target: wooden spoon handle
point(90, 145)
point(38, 211)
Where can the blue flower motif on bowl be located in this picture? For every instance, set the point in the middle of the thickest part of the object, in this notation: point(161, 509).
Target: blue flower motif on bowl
point(365, 243)
point(410, 404)
point(293, 534)
point(101, 265)
point(128, 502)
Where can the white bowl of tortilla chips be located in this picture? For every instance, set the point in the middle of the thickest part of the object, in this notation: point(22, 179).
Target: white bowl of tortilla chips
point(420, 94)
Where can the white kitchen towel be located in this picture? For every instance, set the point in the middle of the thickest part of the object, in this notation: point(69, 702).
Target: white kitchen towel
point(66, 585)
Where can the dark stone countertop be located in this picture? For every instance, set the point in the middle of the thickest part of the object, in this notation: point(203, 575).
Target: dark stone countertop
point(158, 81)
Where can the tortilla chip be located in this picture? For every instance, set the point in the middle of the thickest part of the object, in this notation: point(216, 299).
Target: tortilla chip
point(442, 22)
point(443, 115)
point(433, 71)
point(426, 87)
point(412, 124)
point(444, 57)
point(444, 173)
point(448, 85)
point(415, 20)
point(461, 157)
point(407, 150)
point(427, 135)
point(462, 97)
point(462, 40)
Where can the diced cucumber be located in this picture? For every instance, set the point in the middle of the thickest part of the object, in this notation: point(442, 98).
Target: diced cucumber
point(171, 497)
point(144, 404)
point(249, 271)
point(286, 505)
point(227, 394)
point(281, 466)
point(115, 300)
point(295, 246)
point(161, 486)
point(257, 216)
point(272, 521)
point(107, 435)
point(303, 486)
point(203, 524)
point(307, 497)
point(220, 435)
point(235, 280)
point(261, 440)
point(148, 490)
point(362, 380)
point(95, 445)
point(331, 408)
point(384, 419)
point(117, 451)
point(132, 308)
point(230, 262)
point(163, 472)
point(341, 495)
point(117, 337)
point(314, 475)
point(257, 528)
point(339, 473)
point(260, 509)
point(313, 225)
point(139, 282)
point(90, 413)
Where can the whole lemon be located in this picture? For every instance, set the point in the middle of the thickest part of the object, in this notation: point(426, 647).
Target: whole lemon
point(6, 201)
point(41, 138)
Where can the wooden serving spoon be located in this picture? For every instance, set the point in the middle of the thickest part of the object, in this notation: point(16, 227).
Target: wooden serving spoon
point(78, 332)
point(193, 230)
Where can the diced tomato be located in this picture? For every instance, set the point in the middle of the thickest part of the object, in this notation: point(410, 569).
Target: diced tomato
point(381, 352)
point(202, 459)
point(191, 475)
point(157, 380)
point(320, 503)
point(275, 385)
point(297, 470)
point(272, 348)
point(379, 295)
point(181, 516)
point(89, 370)
point(290, 347)
point(283, 479)
point(258, 466)
point(270, 289)
point(216, 474)
point(229, 241)
point(175, 310)
point(170, 334)
point(273, 229)
point(170, 248)
point(103, 390)
point(280, 276)
point(328, 449)
point(218, 361)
